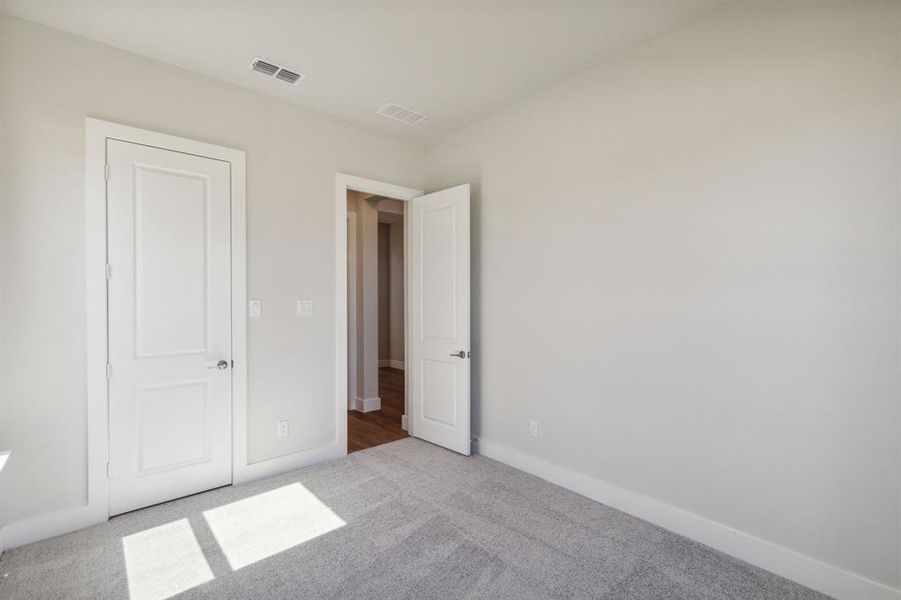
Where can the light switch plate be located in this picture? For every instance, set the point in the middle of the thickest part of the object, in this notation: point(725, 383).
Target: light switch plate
point(254, 308)
point(304, 308)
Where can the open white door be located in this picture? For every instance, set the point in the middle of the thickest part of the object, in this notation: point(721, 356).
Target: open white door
point(439, 318)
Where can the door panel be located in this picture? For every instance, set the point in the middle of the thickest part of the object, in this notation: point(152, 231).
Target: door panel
point(438, 274)
point(171, 219)
point(439, 387)
point(439, 318)
point(169, 322)
point(172, 426)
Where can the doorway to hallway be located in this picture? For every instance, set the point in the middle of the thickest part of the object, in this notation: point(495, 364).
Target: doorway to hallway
point(365, 430)
point(405, 307)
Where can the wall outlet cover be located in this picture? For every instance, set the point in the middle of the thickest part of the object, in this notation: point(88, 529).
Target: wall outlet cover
point(304, 308)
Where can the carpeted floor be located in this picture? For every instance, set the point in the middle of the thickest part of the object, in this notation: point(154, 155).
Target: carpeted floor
point(402, 520)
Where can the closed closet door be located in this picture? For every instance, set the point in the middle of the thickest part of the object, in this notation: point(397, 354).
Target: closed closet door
point(169, 292)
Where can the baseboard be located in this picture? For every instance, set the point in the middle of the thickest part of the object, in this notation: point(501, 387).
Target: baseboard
point(815, 574)
point(289, 462)
point(368, 404)
point(403, 422)
point(34, 529)
point(394, 364)
point(41, 527)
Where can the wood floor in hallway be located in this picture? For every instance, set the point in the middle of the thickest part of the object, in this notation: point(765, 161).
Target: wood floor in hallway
point(365, 430)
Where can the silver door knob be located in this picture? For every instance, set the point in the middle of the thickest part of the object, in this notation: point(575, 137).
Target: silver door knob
point(460, 354)
point(221, 365)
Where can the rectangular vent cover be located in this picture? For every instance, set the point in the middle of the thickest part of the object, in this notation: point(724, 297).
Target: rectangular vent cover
point(397, 112)
point(270, 69)
point(288, 76)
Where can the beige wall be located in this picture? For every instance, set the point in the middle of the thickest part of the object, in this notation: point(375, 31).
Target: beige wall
point(368, 287)
point(396, 277)
point(381, 228)
point(691, 251)
point(292, 157)
point(384, 295)
point(686, 268)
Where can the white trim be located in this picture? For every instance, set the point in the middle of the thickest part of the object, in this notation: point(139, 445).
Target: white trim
point(352, 311)
point(41, 527)
point(5, 457)
point(342, 184)
point(390, 362)
point(96, 134)
point(291, 462)
point(96, 356)
point(368, 404)
point(240, 458)
point(403, 422)
point(408, 386)
point(815, 574)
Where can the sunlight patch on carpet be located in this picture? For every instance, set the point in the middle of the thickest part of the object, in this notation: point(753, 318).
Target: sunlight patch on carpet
point(258, 527)
point(164, 561)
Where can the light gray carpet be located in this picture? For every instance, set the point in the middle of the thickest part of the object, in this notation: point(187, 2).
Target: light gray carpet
point(403, 520)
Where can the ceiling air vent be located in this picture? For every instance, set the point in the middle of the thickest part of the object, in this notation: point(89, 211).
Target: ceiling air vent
point(288, 76)
point(399, 113)
point(270, 69)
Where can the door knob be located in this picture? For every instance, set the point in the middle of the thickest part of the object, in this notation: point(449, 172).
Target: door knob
point(460, 354)
point(221, 365)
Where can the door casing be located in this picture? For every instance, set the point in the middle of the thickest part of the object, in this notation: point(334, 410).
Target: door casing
point(97, 132)
point(351, 308)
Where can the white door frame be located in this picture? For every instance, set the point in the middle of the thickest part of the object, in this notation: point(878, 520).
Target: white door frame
point(352, 310)
point(96, 134)
point(343, 183)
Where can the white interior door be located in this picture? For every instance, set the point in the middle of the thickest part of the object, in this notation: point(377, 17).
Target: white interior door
point(439, 352)
point(169, 324)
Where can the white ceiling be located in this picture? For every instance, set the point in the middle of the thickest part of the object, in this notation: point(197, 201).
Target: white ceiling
point(455, 61)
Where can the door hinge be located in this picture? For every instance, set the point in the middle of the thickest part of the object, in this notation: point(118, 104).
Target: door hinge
point(106, 171)
point(109, 372)
point(109, 272)
point(108, 470)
